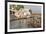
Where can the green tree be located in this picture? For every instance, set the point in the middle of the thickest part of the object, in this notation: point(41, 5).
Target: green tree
point(12, 6)
point(19, 7)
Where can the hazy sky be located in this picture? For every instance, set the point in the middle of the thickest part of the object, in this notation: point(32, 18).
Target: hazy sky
point(35, 9)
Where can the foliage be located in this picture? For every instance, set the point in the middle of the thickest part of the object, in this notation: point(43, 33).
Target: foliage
point(12, 6)
point(17, 7)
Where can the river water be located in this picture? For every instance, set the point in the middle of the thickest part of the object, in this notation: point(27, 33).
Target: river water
point(32, 22)
point(20, 23)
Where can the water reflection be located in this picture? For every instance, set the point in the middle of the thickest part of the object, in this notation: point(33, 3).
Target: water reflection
point(21, 23)
point(32, 22)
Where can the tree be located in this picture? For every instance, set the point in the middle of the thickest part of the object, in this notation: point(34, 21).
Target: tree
point(19, 7)
point(13, 6)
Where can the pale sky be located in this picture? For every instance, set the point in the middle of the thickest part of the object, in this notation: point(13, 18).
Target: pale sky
point(35, 9)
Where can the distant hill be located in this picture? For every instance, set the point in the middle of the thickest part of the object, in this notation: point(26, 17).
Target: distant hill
point(36, 13)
